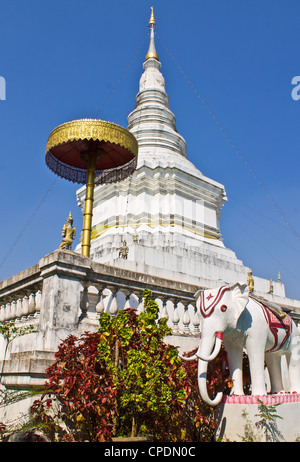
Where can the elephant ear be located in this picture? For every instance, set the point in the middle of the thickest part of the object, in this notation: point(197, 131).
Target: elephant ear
point(240, 297)
point(197, 294)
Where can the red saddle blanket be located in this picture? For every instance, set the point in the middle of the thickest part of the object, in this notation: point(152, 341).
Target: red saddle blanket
point(280, 328)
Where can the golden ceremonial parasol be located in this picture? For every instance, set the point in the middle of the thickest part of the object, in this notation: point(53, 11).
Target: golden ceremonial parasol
point(91, 152)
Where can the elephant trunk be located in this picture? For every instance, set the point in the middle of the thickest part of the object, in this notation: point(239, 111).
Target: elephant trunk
point(202, 384)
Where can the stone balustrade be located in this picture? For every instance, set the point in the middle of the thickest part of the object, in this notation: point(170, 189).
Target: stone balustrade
point(177, 305)
point(67, 291)
point(20, 296)
point(64, 294)
point(179, 310)
point(70, 291)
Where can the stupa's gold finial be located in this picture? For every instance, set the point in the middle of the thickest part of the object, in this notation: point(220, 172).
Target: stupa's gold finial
point(152, 22)
point(279, 278)
point(152, 51)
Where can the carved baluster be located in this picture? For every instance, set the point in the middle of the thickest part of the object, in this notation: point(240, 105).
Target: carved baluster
point(2, 313)
point(175, 317)
point(13, 310)
point(31, 304)
point(196, 321)
point(19, 308)
point(127, 294)
point(38, 301)
point(164, 311)
point(100, 303)
point(84, 302)
point(140, 307)
point(113, 309)
point(25, 306)
point(7, 314)
point(186, 318)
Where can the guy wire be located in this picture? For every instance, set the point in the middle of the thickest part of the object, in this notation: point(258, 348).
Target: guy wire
point(123, 74)
point(227, 136)
point(28, 222)
point(54, 182)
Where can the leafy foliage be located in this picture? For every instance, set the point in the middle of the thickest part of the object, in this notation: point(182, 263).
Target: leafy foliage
point(125, 380)
point(147, 373)
point(83, 391)
point(10, 331)
point(268, 415)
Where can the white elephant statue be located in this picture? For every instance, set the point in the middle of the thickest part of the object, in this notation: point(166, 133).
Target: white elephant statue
point(230, 315)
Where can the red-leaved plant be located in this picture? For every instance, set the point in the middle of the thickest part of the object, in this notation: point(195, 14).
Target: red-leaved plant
point(125, 380)
point(79, 403)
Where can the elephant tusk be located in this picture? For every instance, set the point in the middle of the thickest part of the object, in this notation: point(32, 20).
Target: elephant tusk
point(213, 355)
point(216, 350)
point(188, 358)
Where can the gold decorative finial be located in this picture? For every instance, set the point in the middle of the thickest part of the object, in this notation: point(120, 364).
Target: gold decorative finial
point(152, 51)
point(250, 281)
point(152, 22)
point(68, 234)
point(271, 287)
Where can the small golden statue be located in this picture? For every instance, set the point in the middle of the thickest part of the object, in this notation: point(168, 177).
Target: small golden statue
point(68, 234)
point(124, 249)
point(250, 281)
point(271, 287)
point(279, 278)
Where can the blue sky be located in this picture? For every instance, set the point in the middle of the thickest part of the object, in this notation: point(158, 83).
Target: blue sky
point(63, 60)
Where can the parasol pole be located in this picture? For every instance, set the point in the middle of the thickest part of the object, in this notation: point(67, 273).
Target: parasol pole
point(89, 200)
point(91, 152)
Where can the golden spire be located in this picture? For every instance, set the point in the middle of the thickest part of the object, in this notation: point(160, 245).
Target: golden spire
point(152, 19)
point(152, 51)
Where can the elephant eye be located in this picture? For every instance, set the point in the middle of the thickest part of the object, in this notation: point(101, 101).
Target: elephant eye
point(223, 308)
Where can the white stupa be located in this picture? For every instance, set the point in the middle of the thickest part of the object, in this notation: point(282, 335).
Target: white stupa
point(168, 212)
